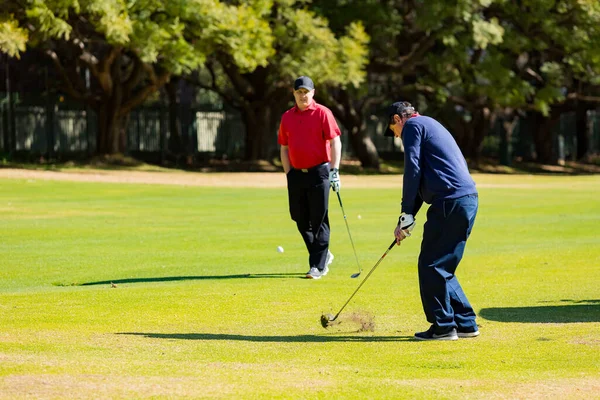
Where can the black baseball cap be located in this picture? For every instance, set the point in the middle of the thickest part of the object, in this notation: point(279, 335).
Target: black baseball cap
point(304, 82)
point(400, 108)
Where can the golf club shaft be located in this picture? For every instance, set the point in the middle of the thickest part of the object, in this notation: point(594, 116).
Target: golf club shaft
point(366, 277)
point(348, 229)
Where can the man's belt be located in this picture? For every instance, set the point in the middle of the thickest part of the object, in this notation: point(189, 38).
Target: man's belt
point(312, 168)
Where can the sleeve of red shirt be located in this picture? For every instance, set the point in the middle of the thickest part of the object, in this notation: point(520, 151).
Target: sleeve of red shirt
point(330, 126)
point(282, 137)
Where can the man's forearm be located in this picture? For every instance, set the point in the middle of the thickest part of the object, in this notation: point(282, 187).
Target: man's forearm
point(285, 159)
point(336, 152)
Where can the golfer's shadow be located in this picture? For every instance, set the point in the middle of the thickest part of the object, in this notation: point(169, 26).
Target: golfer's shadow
point(195, 278)
point(327, 338)
point(574, 311)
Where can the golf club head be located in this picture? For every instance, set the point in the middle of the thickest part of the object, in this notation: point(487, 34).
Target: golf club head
point(326, 319)
point(356, 275)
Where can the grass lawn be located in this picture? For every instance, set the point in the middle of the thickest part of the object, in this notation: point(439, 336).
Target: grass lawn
point(118, 290)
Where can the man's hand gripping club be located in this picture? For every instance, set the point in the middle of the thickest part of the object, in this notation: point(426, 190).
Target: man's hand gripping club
point(334, 179)
point(406, 224)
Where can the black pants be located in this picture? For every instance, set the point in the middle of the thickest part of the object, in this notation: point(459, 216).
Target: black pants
point(308, 194)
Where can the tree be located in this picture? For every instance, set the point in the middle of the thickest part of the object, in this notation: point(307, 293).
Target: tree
point(542, 61)
point(455, 80)
point(131, 48)
point(408, 39)
point(304, 45)
point(471, 61)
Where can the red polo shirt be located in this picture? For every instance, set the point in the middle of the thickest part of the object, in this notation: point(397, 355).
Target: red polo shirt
point(307, 134)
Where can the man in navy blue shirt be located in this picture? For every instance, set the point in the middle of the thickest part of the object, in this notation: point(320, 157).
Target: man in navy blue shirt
point(435, 172)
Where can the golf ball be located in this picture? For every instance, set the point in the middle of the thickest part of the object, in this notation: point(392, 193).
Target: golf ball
point(279, 249)
point(359, 217)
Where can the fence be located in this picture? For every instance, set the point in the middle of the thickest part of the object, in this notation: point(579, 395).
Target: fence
point(52, 130)
point(218, 133)
point(593, 121)
point(563, 137)
point(40, 131)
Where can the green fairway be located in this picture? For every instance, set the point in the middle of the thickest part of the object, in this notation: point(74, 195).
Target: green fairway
point(114, 290)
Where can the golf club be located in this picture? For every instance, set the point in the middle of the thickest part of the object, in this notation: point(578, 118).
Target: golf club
point(326, 319)
point(356, 275)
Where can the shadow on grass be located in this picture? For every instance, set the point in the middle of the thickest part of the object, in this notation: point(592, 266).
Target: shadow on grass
point(272, 339)
point(194, 278)
point(577, 311)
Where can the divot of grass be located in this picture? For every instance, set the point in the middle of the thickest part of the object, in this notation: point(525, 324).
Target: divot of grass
point(364, 319)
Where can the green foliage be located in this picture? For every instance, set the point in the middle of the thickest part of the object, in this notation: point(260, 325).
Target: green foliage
point(244, 33)
point(175, 34)
point(13, 38)
point(487, 32)
point(502, 84)
point(553, 42)
point(492, 53)
point(352, 54)
point(307, 46)
point(48, 24)
point(110, 17)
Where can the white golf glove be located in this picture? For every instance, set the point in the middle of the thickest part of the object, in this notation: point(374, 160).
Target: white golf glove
point(334, 179)
point(406, 223)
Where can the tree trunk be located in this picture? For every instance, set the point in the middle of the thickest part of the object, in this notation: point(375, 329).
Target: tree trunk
point(261, 131)
point(111, 135)
point(175, 145)
point(509, 123)
point(363, 146)
point(584, 138)
point(459, 128)
point(110, 132)
point(480, 126)
point(543, 139)
point(348, 108)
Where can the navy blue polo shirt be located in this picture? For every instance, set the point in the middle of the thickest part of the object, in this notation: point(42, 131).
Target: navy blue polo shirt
point(434, 167)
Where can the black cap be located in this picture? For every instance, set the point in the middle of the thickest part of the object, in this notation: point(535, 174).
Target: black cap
point(304, 82)
point(401, 108)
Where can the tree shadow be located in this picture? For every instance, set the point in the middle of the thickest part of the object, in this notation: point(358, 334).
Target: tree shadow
point(594, 301)
point(327, 338)
point(577, 311)
point(192, 277)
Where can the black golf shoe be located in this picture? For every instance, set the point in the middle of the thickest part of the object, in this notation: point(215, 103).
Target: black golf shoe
point(431, 334)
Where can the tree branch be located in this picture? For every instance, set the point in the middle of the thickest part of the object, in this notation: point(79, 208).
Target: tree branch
point(239, 83)
point(103, 72)
point(135, 75)
point(213, 86)
point(90, 61)
point(139, 97)
point(430, 90)
point(582, 97)
point(68, 85)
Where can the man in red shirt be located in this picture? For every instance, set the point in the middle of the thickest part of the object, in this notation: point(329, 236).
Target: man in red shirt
point(311, 150)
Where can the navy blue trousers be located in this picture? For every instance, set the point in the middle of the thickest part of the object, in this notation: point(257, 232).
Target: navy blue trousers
point(308, 195)
point(448, 226)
